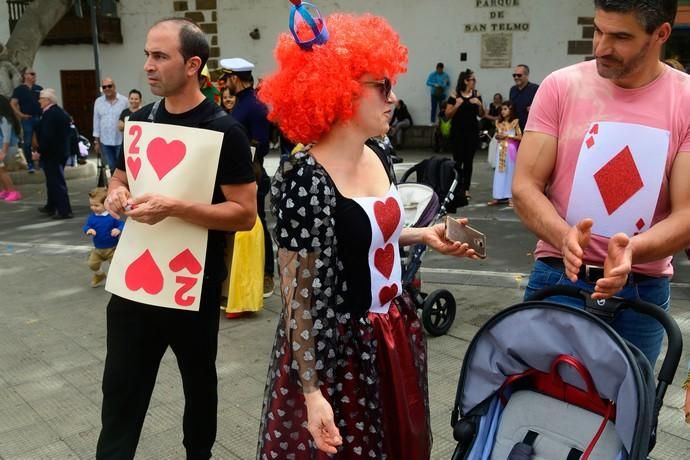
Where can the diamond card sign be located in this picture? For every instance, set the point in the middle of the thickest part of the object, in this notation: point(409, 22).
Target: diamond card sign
point(618, 177)
point(162, 264)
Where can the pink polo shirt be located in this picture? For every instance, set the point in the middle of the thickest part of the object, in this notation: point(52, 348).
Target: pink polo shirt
point(615, 151)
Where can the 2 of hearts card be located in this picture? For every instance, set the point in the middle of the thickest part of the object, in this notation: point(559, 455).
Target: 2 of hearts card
point(163, 264)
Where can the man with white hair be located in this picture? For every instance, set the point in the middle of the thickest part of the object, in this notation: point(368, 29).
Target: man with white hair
point(52, 136)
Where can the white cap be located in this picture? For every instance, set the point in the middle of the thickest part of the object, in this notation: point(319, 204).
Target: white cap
point(231, 65)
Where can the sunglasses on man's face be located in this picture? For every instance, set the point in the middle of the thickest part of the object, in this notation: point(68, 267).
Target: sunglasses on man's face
point(107, 86)
point(385, 86)
point(517, 75)
point(31, 73)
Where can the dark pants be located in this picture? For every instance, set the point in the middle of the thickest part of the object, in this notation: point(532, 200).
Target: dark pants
point(138, 336)
point(264, 186)
point(28, 128)
point(58, 199)
point(435, 105)
point(464, 146)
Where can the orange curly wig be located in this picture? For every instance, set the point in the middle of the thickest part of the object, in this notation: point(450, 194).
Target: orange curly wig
point(311, 90)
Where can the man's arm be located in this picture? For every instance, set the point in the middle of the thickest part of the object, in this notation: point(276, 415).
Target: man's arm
point(535, 163)
point(673, 233)
point(14, 102)
point(96, 128)
point(238, 213)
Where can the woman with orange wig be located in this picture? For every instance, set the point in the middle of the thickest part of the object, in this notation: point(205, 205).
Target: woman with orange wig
point(347, 377)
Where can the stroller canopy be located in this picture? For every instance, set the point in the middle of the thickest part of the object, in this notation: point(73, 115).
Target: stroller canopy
point(533, 334)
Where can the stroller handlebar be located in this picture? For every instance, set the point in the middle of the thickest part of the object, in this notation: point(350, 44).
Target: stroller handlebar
point(607, 310)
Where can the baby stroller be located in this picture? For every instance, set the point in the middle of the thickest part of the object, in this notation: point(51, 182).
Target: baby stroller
point(521, 396)
point(436, 177)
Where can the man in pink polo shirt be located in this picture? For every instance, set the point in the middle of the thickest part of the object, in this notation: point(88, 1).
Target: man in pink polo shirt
point(602, 170)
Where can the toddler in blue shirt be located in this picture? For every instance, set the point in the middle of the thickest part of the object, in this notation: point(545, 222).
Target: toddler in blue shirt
point(105, 230)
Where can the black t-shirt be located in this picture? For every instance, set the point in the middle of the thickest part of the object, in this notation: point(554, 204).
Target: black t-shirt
point(465, 119)
point(234, 165)
point(125, 113)
point(27, 98)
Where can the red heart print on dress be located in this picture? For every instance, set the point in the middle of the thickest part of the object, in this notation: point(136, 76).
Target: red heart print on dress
point(144, 274)
point(384, 259)
point(165, 156)
point(388, 293)
point(387, 216)
point(183, 260)
point(134, 165)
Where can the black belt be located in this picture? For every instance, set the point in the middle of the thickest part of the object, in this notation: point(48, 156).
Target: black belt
point(592, 273)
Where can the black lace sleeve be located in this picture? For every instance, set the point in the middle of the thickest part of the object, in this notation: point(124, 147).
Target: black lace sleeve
point(303, 201)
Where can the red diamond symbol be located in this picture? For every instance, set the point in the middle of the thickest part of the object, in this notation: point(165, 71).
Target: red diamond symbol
point(590, 142)
point(618, 180)
point(639, 224)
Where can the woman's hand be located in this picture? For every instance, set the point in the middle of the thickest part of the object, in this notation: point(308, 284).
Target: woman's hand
point(435, 237)
point(321, 424)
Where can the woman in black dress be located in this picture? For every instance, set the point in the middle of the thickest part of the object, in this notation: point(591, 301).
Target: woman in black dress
point(465, 109)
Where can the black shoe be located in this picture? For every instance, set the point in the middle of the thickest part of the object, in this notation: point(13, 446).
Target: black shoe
point(46, 210)
point(63, 216)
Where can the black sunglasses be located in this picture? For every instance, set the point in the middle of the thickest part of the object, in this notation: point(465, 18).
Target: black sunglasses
point(517, 75)
point(31, 73)
point(384, 85)
point(107, 86)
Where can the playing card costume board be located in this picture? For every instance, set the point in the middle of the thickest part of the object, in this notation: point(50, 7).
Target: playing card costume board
point(163, 264)
point(615, 151)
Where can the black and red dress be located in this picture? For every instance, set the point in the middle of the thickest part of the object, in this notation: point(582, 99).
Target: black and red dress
point(346, 327)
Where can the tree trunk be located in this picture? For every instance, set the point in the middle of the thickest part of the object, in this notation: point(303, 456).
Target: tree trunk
point(39, 18)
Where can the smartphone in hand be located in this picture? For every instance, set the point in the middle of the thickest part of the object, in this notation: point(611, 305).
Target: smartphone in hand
point(466, 234)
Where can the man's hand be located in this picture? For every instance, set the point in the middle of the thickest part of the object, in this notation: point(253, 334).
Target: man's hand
point(151, 208)
point(573, 248)
point(321, 424)
point(91, 232)
point(117, 201)
point(115, 232)
point(617, 267)
point(97, 147)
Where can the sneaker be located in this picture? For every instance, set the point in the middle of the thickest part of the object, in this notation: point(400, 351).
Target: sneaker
point(97, 279)
point(13, 196)
point(3, 194)
point(31, 170)
point(268, 286)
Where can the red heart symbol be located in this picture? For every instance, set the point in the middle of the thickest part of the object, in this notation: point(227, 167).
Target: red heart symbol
point(134, 165)
point(388, 293)
point(185, 259)
point(383, 260)
point(164, 156)
point(144, 274)
point(387, 216)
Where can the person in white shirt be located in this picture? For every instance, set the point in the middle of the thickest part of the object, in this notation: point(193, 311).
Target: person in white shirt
point(107, 137)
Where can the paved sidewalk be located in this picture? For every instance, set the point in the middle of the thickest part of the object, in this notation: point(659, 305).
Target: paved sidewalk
point(52, 347)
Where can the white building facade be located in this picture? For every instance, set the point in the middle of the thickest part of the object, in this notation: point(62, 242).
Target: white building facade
point(487, 36)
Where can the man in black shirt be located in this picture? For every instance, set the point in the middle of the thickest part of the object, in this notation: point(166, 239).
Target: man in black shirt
point(522, 94)
point(139, 334)
point(25, 104)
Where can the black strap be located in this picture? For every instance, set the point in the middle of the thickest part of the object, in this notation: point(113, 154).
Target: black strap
point(219, 113)
point(574, 454)
point(530, 437)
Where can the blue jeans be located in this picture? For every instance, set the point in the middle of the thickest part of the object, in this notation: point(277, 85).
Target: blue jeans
point(435, 103)
point(28, 128)
point(109, 153)
point(642, 331)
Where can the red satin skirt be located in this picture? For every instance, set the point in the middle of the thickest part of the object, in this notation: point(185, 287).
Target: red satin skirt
point(393, 424)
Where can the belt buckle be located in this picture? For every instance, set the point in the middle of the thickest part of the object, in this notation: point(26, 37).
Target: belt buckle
point(593, 273)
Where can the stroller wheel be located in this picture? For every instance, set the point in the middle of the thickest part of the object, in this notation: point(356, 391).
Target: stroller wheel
point(438, 312)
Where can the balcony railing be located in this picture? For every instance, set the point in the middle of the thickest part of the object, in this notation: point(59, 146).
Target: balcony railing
point(72, 29)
